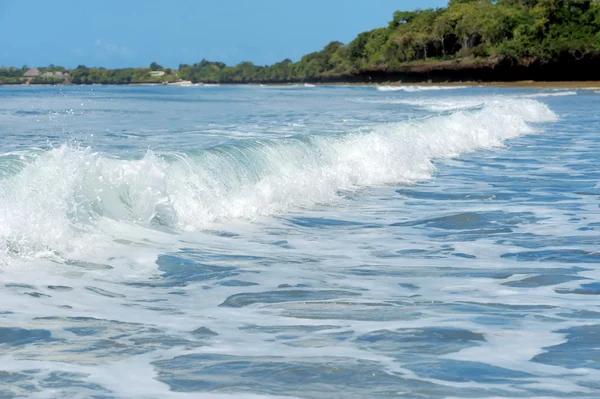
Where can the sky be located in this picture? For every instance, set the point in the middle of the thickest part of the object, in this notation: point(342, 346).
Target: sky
point(134, 33)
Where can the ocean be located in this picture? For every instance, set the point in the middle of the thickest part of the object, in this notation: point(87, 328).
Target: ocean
point(299, 242)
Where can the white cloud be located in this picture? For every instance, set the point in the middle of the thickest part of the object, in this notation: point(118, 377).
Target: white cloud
point(113, 49)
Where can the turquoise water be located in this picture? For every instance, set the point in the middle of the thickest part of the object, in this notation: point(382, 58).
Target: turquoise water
point(308, 242)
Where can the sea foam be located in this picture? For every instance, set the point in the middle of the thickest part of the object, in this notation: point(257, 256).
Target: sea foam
point(412, 89)
point(455, 103)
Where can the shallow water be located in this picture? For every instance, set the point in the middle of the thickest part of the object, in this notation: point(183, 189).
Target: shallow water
point(305, 242)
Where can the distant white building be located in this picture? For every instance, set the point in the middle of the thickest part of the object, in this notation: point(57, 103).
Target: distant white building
point(56, 75)
point(157, 73)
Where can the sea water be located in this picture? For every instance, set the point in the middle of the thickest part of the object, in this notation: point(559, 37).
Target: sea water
point(312, 242)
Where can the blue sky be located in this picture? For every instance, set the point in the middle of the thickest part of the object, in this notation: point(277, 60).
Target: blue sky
point(122, 33)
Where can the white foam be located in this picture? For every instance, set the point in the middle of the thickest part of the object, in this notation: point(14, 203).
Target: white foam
point(64, 193)
point(441, 104)
point(412, 89)
point(554, 94)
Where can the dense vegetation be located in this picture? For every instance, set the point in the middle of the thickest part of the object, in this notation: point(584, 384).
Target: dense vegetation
point(12, 75)
point(85, 75)
point(518, 31)
point(466, 32)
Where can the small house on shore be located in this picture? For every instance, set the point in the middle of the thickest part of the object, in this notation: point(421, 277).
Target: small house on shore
point(32, 73)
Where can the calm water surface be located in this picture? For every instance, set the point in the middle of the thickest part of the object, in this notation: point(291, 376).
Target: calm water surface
point(340, 242)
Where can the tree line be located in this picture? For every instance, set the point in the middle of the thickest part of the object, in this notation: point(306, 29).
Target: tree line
point(518, 31)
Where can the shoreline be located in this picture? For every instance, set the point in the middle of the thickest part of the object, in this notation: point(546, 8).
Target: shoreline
point(516, 84)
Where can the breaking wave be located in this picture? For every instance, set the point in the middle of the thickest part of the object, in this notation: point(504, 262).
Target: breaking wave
point(50, 198)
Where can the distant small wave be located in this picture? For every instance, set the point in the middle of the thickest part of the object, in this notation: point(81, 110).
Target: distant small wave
point(412, 89)
point(456, 103)
point(554, 94)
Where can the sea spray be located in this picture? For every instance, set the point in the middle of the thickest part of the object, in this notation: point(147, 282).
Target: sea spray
point(50, 199)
